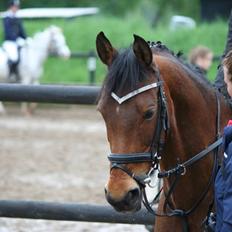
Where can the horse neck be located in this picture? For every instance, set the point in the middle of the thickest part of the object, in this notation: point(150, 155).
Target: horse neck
point(189, 108)
point(40, 45)
point(192, 111)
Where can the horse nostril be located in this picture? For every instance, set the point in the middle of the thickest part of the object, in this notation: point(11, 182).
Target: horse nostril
point(132, 195)
point(131, 201)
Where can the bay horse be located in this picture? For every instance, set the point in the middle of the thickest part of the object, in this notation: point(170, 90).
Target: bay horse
point(160, 114)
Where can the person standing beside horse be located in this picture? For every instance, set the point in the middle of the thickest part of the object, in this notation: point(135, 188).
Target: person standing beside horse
point(14, 36)
point(223, 182)
point(201, 57)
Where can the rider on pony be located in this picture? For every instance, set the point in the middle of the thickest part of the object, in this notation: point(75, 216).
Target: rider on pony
point(14, 36)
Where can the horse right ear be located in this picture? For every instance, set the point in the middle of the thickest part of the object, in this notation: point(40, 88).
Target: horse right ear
point(104, 49)
point(142, 51)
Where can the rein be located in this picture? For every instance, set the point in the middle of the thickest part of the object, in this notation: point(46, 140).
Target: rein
point(154, 155)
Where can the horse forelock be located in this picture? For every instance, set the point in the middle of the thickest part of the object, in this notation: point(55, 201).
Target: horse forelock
point(125, 74)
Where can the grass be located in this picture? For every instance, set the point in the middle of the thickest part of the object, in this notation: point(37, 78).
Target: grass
point(80, 34)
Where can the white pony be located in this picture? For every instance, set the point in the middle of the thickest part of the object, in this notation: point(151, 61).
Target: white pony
point(33, 54)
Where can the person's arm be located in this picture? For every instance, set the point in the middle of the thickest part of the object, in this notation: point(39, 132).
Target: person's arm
point(227, 198)
point(6, 27)
point(226, 227)
point(22, 32)
point(227, 176)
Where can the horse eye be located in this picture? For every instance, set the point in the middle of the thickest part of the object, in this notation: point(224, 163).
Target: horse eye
point(148, 114)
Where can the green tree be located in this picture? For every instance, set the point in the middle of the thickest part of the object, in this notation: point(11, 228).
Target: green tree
point(181, 7)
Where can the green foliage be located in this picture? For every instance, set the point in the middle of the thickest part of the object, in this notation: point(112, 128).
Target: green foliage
point(112, 7)
point(81, 34)
point(117, 8)
point(162, 8)
point(182, 7)
point(46, 3)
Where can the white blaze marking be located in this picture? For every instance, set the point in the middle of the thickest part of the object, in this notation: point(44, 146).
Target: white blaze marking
point(117, 109)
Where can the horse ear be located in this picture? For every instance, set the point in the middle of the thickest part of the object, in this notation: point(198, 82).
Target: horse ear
point(142, 50)
point(104, 49)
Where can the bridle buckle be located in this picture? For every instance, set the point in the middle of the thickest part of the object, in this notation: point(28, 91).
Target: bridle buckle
point(147, 180)
point(183, 170)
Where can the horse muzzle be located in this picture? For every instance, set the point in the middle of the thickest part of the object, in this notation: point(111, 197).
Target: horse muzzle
point(130, 202)
point(65, 53)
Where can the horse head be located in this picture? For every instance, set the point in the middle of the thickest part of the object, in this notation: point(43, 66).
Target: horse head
point(130, 123)
point(57, 43)
point(159, 113)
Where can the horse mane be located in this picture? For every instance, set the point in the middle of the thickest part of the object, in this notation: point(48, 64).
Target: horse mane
point(192, 71)
point(40, 35)
point(52, 28)
point(126, 73)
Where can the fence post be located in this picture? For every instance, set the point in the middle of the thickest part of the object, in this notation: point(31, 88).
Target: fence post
point(91, 66)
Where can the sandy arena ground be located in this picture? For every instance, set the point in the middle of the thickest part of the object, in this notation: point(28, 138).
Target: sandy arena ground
point(59, 154)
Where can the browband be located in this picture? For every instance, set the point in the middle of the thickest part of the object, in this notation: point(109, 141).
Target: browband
point(130, 158)
point(120, 100)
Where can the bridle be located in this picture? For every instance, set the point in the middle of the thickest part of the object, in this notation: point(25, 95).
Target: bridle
point(157, 143)
point(154, 155)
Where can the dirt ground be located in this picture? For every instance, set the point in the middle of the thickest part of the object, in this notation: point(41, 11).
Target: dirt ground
point(59, 154)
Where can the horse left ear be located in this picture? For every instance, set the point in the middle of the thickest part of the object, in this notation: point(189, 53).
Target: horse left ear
point(142, 50)
point(105, 50)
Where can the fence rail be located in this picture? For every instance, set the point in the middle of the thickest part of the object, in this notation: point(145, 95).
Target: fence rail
point(71, 212)
point(49, 93)
point(53, 210)
point(83, 54)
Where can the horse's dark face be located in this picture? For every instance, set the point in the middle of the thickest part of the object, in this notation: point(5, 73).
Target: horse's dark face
point(130, 127)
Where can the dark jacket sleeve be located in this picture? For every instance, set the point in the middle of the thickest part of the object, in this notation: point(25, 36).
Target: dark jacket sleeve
point(227, 199)
point(219, 81)
point(223, 187)
point(226, 227)
point(6, 28)
point(13, 28)
point(22, 32)
point(226, 224)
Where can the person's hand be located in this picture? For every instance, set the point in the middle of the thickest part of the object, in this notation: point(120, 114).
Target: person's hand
point(20, 42)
